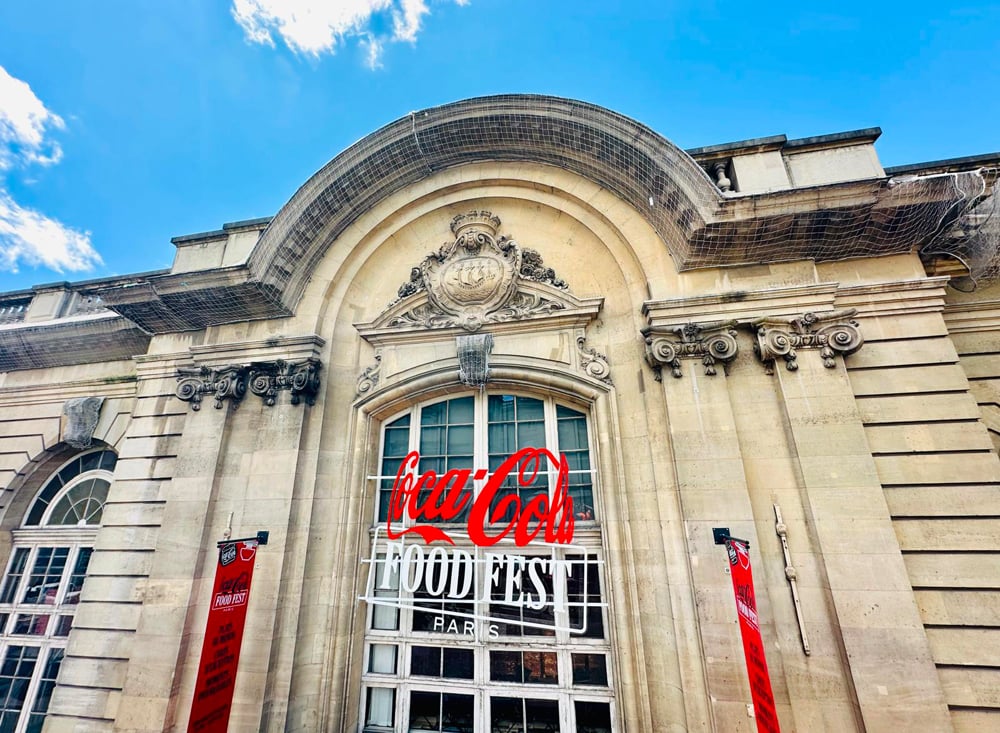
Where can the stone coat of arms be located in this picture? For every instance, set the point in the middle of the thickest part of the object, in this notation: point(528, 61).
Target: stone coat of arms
point(475, 279)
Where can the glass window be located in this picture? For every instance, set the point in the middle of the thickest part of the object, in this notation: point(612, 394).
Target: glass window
point(42, 586)
point(442, 712)
point(482, 431)
point(523, 715)
point(483, 645)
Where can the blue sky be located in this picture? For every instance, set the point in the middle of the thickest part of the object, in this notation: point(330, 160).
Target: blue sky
point(123, 123)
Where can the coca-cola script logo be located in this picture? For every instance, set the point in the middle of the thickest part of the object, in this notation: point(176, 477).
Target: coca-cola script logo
point(431, 498)
point(227, 554)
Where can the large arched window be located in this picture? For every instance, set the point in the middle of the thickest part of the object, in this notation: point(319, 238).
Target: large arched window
point(541, 664)
point(41, 588)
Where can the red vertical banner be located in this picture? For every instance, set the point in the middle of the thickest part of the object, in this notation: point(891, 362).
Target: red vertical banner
point(220, 654)
point(753, 646)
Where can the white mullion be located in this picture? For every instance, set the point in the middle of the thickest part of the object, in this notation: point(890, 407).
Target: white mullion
point(551, 442)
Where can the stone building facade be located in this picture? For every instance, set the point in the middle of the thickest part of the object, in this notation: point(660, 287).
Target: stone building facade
point(775, 336)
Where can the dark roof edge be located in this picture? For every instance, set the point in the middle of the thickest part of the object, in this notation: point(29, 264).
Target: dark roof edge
point(755, 143)
point(227, 229)
point(967, 162)
point(857, 137)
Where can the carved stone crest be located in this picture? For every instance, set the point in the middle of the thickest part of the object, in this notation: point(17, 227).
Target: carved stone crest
point(475, 279)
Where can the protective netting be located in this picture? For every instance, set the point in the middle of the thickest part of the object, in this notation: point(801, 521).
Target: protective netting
point(474, 358)
point(701, 226)
point(78, 340)
point(973, 237)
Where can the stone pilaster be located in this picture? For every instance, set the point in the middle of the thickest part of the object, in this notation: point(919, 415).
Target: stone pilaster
point(895, 683)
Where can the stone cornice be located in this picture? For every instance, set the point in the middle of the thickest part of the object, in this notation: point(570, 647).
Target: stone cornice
point(972, 317)
point(739, 305)
point(286, 348)
point(923, 295)
point(83, 339)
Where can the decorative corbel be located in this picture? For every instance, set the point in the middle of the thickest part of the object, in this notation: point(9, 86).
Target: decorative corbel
point(370, 376)
point(301, 378)
point(593, 362)
point(831, 332)
point(224, 383)
point(711, 342)
point(264, 379)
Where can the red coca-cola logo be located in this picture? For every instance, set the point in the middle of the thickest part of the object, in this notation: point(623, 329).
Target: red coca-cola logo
point(445, 497)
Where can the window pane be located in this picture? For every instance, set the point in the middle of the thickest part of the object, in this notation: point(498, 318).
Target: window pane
point(381, 706)
point(64, 625)
point(529, 408)
point(593, 717)
point(31, 624)
point(79, 573)
point(382, 658)
point(458, 664)
point(44, 693)
point(542, 715)
point(590, 669)
point(506, 715)
point(585, 606)
point(14, 575)
point(505, 666)
point(460, 440)
point(43, 584)
point(461, 410)
point(541, 668)
point(425, 711)
point(89, 462)
point(436, 414)
point(458, 712)
point(15, 674)
point(572, 432)
point(432, 443)
point(425, 661)
point(531, 435)
point(397, 439)
point(500, 408)
point(108, 460)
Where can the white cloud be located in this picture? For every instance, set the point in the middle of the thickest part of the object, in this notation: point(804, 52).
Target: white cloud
point(27, 235)
point(30, 236)
point(23, 123)
point(315, 27)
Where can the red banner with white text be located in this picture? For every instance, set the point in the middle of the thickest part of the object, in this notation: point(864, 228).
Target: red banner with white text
point(753, 646)
point(220, 654)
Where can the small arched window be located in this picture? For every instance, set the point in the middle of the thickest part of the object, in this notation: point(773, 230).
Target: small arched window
point(41, 588)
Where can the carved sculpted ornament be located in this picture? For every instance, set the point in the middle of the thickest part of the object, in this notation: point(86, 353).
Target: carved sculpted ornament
point(475, 279)
point(831, 332)
point(264, 379)
point(710, 342)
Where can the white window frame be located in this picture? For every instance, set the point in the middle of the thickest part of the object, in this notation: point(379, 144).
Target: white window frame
point(34, 538)
point(481, 687)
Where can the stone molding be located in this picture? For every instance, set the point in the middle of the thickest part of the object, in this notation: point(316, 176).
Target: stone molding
point(832, 333)
point(711, 342)
point(264, 379)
